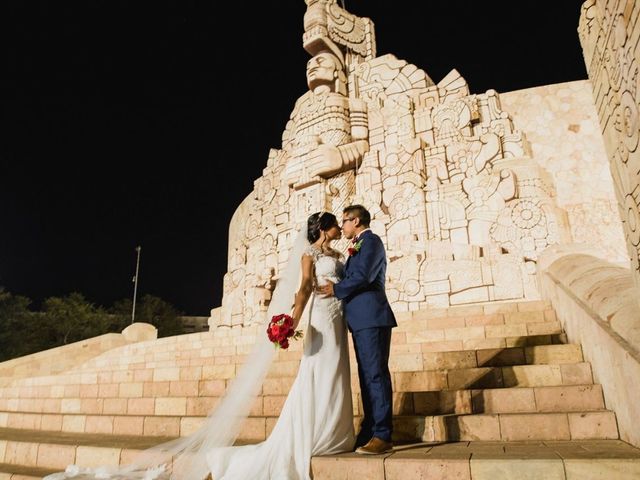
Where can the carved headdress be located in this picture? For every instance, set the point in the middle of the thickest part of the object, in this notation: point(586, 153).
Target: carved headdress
point(327, 26)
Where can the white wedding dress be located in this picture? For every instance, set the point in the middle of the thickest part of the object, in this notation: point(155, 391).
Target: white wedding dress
point(317, 416)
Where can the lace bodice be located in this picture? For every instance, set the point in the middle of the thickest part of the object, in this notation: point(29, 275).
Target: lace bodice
point(327, 266)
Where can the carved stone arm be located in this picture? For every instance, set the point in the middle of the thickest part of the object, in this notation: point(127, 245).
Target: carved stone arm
point(328, 160)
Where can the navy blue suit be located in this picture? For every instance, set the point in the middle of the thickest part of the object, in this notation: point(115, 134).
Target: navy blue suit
point(370, 320)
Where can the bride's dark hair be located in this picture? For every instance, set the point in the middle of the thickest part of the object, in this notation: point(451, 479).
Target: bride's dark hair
point(317, 222)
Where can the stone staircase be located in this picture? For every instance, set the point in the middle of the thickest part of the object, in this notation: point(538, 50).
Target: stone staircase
point(481, 391)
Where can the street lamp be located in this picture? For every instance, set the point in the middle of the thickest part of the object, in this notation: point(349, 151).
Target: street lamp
point(135, 287)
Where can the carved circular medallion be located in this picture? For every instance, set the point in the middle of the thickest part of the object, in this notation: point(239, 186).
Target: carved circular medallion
point(411, 287)
point(526, 214)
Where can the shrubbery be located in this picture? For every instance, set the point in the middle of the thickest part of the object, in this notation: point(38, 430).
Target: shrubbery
point(68, 319)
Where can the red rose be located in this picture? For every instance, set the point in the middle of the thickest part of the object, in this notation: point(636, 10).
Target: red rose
point(280, 329)
point(356, 247)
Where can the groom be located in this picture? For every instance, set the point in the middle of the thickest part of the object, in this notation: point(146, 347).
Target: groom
point(370, 321)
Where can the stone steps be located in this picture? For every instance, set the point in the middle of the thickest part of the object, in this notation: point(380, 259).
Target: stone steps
point(590, 422)
point(502, 321)
point(528, 397)
point(473, 460)
point(19, 472)
point(472, 375)
point(403, 357)
point(476, 460)
point(537, 355)
point(546, 375)
point(106, 384)
point(503, 400)
point(53, 451)
point(506, 427)
point(555, 424)
point(420, 332)
point(579, 398)
point(225, 367)
point(415, 343)
point(123, 398)
point(36, 448)
point(425, 332)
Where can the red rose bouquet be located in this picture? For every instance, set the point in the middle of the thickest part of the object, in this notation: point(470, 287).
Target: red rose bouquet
point(280, 330)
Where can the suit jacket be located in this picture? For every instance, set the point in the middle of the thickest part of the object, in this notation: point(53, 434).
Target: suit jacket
point(362, 288)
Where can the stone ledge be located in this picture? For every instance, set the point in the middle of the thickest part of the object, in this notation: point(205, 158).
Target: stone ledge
point(597, 307)
point(605, 292)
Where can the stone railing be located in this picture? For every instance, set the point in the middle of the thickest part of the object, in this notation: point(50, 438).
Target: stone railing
point(597, 305)
point(60, 359)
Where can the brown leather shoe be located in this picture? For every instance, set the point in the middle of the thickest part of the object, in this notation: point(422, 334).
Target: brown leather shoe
point(375, 446)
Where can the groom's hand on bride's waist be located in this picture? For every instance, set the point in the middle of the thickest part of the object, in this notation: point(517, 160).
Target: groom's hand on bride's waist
point(325, 290)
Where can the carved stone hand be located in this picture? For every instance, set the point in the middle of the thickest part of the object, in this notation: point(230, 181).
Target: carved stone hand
point(325, 161)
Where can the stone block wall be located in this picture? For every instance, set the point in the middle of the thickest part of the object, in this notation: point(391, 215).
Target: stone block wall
point(562, 127)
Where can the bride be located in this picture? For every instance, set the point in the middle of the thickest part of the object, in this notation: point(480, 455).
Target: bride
point(317, 416)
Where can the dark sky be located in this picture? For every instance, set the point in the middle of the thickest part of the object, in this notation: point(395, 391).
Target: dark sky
point(109, 109)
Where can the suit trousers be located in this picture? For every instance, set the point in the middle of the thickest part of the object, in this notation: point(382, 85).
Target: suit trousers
point(372, 347)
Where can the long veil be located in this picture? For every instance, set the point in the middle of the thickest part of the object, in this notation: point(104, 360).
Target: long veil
point(185, 458)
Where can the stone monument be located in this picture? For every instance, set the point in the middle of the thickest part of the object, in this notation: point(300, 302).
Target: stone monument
point(454, 189)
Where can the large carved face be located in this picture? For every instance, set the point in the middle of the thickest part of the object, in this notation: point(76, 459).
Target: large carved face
point(323, 69)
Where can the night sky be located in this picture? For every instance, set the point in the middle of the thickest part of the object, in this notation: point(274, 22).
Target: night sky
point(109, 111)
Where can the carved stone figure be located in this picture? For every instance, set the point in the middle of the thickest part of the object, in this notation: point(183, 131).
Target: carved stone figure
point(327, 133)
point(453, 189)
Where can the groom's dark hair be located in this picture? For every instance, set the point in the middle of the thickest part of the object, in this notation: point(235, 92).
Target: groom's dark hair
point(360, 212)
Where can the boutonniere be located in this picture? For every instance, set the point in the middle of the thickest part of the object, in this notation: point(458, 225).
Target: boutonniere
point(356, 248)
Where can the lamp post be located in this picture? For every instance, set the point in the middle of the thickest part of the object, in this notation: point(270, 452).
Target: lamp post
point(135, 286)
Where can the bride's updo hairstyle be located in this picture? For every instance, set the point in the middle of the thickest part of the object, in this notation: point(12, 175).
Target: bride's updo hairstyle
point(319, 221)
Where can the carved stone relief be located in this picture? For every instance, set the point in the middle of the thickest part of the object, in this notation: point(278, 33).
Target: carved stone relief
point(454, 191)
point(610, 36)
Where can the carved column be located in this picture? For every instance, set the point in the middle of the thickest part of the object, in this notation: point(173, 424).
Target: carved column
point(609, 33)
